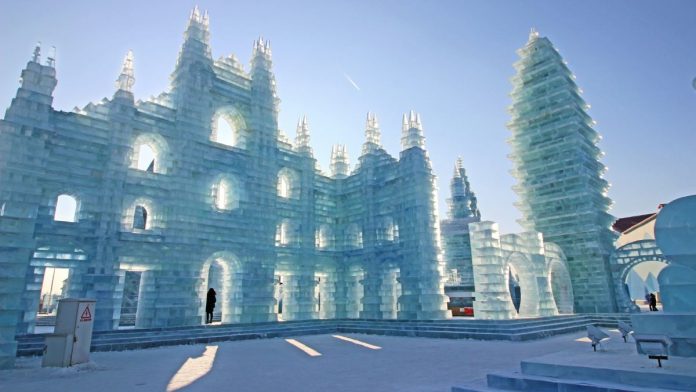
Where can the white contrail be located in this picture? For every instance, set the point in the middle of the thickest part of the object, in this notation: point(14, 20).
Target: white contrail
point(351, 81)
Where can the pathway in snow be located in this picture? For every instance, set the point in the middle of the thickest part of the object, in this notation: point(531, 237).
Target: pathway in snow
point(367, 363)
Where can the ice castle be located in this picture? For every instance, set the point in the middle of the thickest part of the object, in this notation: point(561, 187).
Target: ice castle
point(149, 203)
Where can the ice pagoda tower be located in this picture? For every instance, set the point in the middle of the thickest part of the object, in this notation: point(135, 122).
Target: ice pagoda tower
point(463, 209)
point(559, 175)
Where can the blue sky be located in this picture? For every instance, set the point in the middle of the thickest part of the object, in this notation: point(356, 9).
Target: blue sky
point(449, 60)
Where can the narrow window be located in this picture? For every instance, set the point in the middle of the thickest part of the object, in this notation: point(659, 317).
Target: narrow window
point(66, 209)
point(140, 218)
point(284, 186)
point(222, 195)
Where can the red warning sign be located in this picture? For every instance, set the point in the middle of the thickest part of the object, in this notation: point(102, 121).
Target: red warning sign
point(86, 315)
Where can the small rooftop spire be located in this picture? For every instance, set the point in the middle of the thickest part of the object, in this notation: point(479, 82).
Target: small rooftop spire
point(412, 131)
point(126, 79)
point(51, 59)
point(533, 34)
point(340, 165)
point(302, 137)
point(37, 53)
point(372, 134)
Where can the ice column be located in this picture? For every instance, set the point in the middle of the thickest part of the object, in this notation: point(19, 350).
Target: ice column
point(492, 295)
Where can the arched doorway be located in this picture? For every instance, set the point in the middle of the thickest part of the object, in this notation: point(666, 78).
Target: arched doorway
point(520, 266)
point(559, 278)
point(222, 271)
point(55, 272)
point(641, 281)
point(624, 260)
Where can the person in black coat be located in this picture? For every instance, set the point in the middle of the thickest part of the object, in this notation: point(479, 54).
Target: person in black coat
point(209, 306)
point(653, 302)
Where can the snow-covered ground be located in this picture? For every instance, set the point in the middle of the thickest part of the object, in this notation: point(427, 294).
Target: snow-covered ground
point(401, 364)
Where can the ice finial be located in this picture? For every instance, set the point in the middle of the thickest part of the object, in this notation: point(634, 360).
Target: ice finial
point(533, 34)
point(196, 14)
point(51, 59)
point(340, 166)
point(126, 79)
point(372, 134)
point(262, 47)
point(462, 202)
point(458, 167)
point(302, 137)
point(412, 132)
point(37, 53)
point(206, 19)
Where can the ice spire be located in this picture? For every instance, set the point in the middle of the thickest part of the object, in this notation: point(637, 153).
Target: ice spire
point(126, 79)
point(462, 202)
point(262, 47)
point(412, 131)
point(340, 166)
point(533, 34)
point(36, 57)
point(372, 134)
point(302, 138)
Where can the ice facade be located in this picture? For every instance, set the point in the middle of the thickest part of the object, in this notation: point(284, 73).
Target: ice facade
point(197, 187)
point(539, 268)
point(462, 210)
point(559, 176)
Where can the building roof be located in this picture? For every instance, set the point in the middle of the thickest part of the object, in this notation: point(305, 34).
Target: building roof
point(624, 224)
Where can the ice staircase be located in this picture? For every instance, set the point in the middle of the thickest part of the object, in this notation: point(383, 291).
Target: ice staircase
point(543, 377)
point(617, 368)
point(515, 330)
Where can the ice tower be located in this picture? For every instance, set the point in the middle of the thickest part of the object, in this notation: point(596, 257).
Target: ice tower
point(556, 163)
point(463, 209)
point(148, 203)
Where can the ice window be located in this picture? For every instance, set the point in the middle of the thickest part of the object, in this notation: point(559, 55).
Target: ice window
point(222, 195)
point(140, 218)
point(66, 209)
point(146, 158)
point(224, 132)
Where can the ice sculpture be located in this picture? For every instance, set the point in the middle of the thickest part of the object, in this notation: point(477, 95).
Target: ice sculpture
point(556, 163)
point(540, 267)
point(197, 188)
point(675, 227)
point(463, 209)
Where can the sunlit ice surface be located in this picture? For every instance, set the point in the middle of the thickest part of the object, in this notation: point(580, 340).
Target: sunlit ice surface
point(193, 369)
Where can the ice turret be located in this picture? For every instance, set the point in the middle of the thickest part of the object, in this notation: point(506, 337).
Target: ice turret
point(340, 165)
point(372, 134)
point(37, 84)
point(302, 138)
point(126, 79)
point(412, 131)
point(195, 56)
point(263, 91)
point(559, 175)
point(462, 202)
